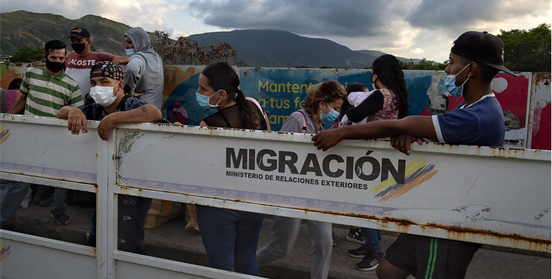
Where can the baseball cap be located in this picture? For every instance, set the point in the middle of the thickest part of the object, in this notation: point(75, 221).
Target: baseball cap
point(79, 33)
point(107, 69)
point(481, 47)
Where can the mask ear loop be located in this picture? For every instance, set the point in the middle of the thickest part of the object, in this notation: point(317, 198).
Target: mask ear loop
point(117, 86)
point(461, 72)
point(217, 104)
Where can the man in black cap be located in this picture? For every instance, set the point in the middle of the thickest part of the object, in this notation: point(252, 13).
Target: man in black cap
point(79, 62)
point(475, 58)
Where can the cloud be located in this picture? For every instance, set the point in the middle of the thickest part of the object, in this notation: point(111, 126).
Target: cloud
point(418, 51)
point(439, 14)
point(402, 28)
point(309, 17)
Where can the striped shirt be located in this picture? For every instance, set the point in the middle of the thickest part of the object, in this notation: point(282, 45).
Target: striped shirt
point(47, 94)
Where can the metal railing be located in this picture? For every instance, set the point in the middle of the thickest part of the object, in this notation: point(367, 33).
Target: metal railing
point(478, 194)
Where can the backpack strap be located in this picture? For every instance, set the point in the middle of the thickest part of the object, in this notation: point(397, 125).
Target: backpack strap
point(304, 121)
point(251, 99)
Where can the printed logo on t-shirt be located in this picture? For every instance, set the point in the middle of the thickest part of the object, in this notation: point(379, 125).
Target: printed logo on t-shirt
point(86, 63)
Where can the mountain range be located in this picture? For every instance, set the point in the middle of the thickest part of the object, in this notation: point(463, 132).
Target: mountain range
point(257, 48)
point(22, 28)
point(284, 49)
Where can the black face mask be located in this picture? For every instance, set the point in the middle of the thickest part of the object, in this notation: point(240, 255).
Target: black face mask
point(78, 48)
point(54, 67)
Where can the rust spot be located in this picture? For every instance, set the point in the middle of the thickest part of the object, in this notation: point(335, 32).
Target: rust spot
point(508, 240)
point(399, 222)
point(455, 233)
point(541, 78)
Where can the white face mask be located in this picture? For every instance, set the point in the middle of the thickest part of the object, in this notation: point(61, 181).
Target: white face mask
point(103, 95)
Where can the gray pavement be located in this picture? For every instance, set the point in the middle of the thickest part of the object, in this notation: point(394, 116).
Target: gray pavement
point(172, 241)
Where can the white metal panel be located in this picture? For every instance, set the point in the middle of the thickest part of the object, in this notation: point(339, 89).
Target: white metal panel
point(43, 147)
point(23, 256)
point(487, 195)
point(467, 193)
point(138, 266)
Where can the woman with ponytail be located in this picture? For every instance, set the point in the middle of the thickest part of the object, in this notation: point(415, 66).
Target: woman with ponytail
point(218, 88)
point(229, 236)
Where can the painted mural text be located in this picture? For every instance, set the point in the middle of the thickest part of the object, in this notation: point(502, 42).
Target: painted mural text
point(288, 87)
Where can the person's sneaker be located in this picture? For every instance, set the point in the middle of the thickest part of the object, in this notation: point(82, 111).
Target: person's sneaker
point(62, 219)
point(334, 236)
point(370, 262)
point(355, 235)
point(360, 252)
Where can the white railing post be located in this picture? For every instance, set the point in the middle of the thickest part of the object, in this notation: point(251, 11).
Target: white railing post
point(106, 210)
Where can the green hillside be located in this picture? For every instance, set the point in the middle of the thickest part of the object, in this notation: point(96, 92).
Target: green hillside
point(21, 28)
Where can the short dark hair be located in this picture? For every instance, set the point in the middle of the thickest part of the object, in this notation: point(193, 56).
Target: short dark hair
point(487, 72)
point(52, 45)
point(356, 87)
point(15, 84)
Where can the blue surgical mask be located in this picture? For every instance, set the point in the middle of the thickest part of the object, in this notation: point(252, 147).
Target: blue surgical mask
point(450, 84)
point(329, 119)
point(203, 101)
point(129, 52)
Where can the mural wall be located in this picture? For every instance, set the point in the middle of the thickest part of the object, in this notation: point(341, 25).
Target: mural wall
point(280, 91)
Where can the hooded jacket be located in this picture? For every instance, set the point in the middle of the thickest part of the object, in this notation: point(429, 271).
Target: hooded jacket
point(144, 71)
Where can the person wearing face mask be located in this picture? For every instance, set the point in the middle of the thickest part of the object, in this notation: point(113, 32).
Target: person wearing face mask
point(40, 100)
point(78, 64)
point(229, 236)
point(144, 71)
point(79, 61)
point(475, 58)
point(387, 100)
point(113, 107)
point(322, 104)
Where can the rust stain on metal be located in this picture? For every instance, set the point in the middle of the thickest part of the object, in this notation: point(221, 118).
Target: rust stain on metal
point(508, 240)
point(456, 233)
point(541, 78)
point(405, 225)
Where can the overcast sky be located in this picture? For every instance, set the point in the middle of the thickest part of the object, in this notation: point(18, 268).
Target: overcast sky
point(406, 28)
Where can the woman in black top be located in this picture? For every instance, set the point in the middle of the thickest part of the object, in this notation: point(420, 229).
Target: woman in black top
point(229, 236)
point(219, 83)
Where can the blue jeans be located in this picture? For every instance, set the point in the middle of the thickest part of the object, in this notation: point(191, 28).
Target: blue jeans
point(16, 194)
point(230, 238)
point(372, 239)
point(131, 220)
point(58, 206)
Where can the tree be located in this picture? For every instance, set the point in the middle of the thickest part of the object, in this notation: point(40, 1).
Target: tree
point(527, 51)
point(28, 54)
point(423, 64)
point(184, 51)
